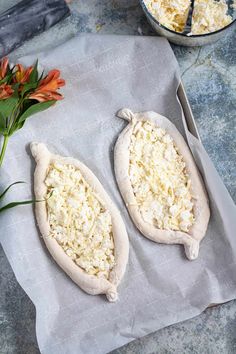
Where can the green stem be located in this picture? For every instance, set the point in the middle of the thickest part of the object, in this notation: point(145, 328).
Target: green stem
point(4, 146)
point(14, 115)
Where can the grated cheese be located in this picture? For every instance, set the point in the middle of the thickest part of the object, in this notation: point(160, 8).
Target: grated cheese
point(159, 179)
point(78, 221)
point(208, 15)
point(170, 13)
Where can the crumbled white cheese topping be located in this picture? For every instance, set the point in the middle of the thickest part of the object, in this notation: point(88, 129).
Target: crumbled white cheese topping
point(208, 15)
point(170, 13)
point(78, 220)
point(159, 179)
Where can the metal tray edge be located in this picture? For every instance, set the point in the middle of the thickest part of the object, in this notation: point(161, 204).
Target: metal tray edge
point(188, 114)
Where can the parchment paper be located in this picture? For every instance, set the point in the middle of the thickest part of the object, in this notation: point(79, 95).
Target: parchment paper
point(160, 287)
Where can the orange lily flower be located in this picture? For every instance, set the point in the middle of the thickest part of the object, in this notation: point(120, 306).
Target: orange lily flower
point(22, 74)
point(3, 67)
point(47, 89)
point(5, 91)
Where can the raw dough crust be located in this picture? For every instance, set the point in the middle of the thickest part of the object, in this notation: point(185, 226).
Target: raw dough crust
point(201, 209)
point(89, 283)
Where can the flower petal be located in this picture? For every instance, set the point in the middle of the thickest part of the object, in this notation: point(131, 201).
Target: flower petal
point(5, 91)
point(22, 74)
point(3, 67)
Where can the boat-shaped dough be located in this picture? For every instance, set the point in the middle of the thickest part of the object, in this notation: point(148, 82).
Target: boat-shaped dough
point(159, 181)
point(82, 228)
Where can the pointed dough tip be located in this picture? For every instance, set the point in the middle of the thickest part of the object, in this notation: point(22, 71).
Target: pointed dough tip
point(37, 148)
point(126, 113)
point(112, 295)
point(192, 249)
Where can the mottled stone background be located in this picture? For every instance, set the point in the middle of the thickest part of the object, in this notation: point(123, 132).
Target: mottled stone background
point(209, 76)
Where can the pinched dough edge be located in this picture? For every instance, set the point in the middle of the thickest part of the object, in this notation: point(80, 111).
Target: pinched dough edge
point(89, 283)
point(190, 240)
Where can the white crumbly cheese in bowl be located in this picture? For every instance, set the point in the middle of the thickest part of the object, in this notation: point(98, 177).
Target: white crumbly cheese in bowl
point(159, 179)
point(208, 15)
point(170, 13)
point(78, 221)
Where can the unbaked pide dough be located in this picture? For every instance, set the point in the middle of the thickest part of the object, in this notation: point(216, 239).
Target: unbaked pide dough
point(81, 227)
point(159, 181)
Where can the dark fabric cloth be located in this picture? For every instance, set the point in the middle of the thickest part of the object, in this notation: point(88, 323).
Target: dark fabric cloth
point(28, 18)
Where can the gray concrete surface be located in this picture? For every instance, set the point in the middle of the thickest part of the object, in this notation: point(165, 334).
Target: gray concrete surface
point(209, 76)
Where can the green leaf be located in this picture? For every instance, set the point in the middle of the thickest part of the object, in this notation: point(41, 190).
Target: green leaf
point(14, 204)
point(15, 87)
point(27, 103)
point(24, 202)
point(29, 87)
point(34, 74)
point(17, 127)
point(6, 106)
point(3, 124)
point(36, 108)
point(7, 189)
point(7, 78)
point(41, 76)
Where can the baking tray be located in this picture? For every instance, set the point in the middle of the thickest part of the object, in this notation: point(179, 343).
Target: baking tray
point(192, 127)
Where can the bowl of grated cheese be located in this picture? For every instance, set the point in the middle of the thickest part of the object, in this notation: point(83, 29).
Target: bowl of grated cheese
point(210, 19)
